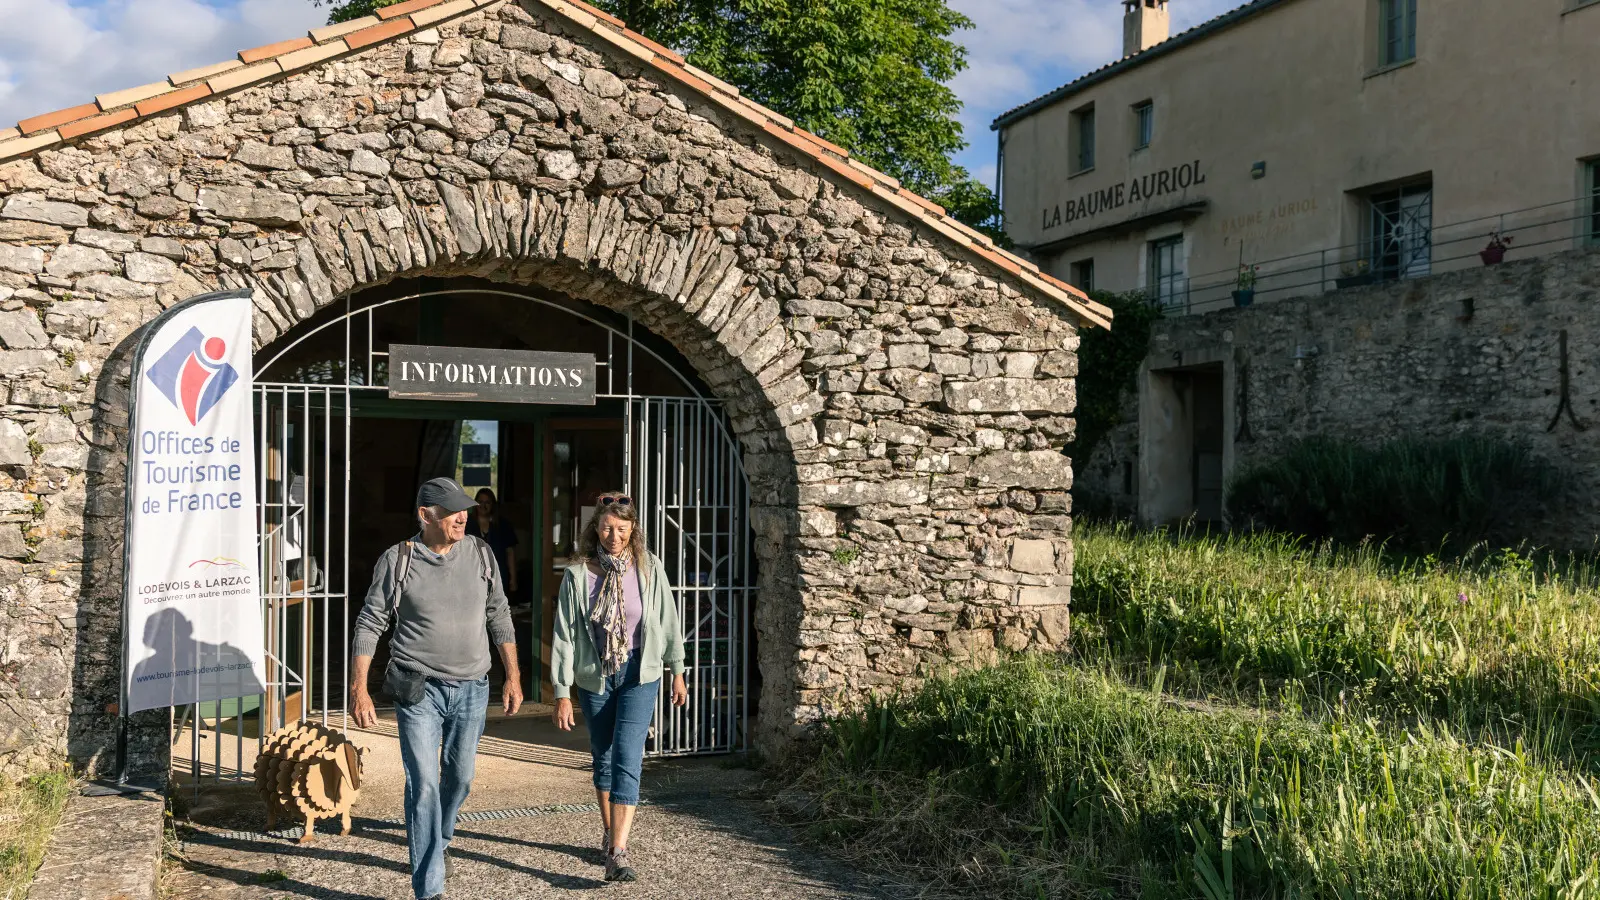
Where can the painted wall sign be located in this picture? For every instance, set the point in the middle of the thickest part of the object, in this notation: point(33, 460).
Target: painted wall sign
point(501, 376)
point(1266, 224)
point(1131, 192)
point(192, 592)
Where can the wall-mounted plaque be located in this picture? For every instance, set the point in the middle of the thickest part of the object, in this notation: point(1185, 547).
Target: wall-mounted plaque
point(499, 376)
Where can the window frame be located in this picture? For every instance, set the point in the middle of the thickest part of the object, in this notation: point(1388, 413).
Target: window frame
point(1397, 32)
point(1591, 237)
point(1166, 288)
point(1076, 272)
point(1083, 139)
point(1393, 217)
point(1144, 124)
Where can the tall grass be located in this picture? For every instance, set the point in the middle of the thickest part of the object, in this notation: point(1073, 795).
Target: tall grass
point(1096, 788)
point(1419, 495)
point(29, 810)
point(1499, 645)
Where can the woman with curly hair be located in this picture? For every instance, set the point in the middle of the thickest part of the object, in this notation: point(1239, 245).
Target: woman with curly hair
point(616, 632)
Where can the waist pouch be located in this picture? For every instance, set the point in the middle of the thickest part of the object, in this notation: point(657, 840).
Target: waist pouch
point(403, 685)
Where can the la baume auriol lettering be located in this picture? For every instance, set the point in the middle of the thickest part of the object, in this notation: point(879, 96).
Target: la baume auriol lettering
point(1135, 190)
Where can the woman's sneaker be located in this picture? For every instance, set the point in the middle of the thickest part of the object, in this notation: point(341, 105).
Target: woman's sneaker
point(617, 868)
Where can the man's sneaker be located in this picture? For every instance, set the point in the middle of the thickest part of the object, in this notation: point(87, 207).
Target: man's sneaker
point(617, 868)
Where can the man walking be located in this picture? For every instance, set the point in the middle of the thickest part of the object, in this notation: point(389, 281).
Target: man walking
point(444, 596)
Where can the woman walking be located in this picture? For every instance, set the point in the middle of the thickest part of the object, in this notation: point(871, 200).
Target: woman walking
point(485, 522)
point(616, 629)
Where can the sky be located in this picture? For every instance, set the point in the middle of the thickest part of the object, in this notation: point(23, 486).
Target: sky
point(60, 53)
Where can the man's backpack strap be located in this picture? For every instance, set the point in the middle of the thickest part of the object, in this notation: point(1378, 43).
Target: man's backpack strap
point(486, 558)
point(397, 576)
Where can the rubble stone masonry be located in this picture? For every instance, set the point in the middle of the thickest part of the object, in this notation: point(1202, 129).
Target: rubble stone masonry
point(901, 404)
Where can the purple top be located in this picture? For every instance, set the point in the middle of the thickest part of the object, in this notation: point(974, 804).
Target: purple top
point(632, 603)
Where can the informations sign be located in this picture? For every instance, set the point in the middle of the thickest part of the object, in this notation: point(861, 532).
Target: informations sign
point(193, 629)
point(504, 376)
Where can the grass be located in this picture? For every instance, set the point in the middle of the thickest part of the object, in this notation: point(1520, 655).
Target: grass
point(1247, 718)
point(29, 811)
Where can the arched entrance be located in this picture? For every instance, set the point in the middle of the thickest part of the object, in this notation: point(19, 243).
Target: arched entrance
point(339, 460)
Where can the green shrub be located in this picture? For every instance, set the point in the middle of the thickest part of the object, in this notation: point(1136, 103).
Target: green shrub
point(1414, 496)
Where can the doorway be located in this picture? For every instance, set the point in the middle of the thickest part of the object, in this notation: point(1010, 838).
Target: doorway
point(340, 462)
point(1183, 428)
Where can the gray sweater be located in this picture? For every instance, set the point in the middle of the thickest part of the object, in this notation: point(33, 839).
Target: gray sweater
point(448, 613)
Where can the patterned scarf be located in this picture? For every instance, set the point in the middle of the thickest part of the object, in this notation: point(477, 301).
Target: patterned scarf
point(605, 614)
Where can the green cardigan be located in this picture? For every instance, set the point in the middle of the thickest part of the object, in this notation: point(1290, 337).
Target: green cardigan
point(574, 659)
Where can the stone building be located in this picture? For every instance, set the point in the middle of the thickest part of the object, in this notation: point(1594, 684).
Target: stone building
point(886, 393)
point(1325, 141)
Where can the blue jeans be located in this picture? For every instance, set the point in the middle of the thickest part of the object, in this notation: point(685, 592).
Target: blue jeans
point(618, 720)
point(439, 746)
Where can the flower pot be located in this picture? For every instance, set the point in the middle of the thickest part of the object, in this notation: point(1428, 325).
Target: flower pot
point(1492, 255)
point(1244, 297)
point(1353, 280)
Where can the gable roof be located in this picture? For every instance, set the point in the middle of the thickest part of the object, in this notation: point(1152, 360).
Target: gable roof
point(319, 45)
point(1176, 42)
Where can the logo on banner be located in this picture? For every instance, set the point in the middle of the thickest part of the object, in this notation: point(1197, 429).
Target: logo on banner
point(193, 374)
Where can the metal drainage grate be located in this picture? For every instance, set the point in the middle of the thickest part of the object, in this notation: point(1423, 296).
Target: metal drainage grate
point(197, 836)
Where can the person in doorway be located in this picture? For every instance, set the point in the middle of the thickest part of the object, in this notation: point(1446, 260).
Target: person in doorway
point(616, 630)
point(486, 523)
point(442, 591)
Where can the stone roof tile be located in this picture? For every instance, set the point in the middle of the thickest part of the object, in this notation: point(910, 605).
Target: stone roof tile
point(391, 22)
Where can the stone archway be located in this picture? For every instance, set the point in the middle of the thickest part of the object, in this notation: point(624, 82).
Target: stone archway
point(900, 389)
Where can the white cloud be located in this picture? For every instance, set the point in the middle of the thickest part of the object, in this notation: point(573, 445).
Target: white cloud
point(1021, 49)
point(55, 53)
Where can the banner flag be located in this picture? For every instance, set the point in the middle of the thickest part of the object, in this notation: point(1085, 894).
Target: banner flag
point(192, 628)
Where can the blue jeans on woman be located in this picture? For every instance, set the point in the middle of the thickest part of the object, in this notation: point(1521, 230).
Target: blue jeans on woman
point(619, 720)
point(439, 747)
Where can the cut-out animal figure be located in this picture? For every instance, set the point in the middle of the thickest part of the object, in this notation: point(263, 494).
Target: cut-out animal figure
point(309, 771)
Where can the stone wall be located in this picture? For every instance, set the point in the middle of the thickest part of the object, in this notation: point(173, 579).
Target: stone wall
point(1474, 352)
point(900, 407)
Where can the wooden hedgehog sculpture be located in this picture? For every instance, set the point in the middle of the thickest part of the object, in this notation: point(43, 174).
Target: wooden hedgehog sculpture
point(309, 771)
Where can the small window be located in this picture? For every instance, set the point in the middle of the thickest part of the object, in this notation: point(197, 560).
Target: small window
point(1167, 284)
point(1144, 124)
point(1397, 31)
point(1592, 169)
point(1083, 139)
point(1400, 231)
point(1082, 275)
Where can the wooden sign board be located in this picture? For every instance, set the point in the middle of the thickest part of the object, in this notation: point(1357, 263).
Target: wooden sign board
point(498, 376)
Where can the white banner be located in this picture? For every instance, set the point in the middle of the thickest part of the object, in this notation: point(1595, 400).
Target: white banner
point(193, 594)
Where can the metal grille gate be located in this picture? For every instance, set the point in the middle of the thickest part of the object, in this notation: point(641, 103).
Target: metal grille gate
point(681, 462)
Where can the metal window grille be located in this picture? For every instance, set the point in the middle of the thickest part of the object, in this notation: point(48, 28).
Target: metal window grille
point(1402, 232)
point(1145, 117)
point(1085, 139)
point(1166, 271)
point(1398, 21)
point(1593, 234)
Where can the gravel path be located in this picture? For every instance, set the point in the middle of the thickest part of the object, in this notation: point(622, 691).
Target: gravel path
point(701, 836)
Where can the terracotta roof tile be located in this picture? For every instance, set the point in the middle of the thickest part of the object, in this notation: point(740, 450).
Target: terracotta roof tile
point(299, 59)
point(97, 123)
point(178, 79)
point(227, 81)
point(19, 146)
point(658, 49)
point(52, 119)
point(271, 50)
point(366, 37)
point(391, 22)
point(329, 32)
point(132, 95)
point(433, 14)
point(173, 98)
point(400, 9)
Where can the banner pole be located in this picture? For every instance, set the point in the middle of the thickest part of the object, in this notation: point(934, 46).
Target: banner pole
point(120, 782)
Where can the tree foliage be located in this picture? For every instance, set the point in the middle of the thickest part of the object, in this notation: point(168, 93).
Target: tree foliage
point(868, 75)
point(1108, 361)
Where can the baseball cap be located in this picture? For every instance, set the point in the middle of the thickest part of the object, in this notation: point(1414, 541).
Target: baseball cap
point(445, 494)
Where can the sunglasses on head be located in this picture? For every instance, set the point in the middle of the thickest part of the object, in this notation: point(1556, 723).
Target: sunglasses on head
point(618, 500)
